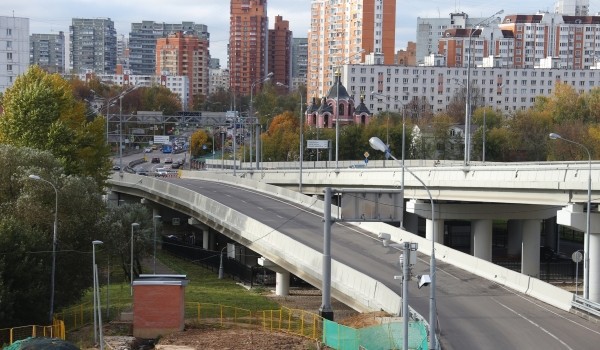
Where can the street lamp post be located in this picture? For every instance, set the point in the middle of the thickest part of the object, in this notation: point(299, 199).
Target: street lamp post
point(156, 218)
point(97, 312)
point(338, 74)
point(133, 225)
point(120, 97)
point(221, 269)
point(586, 246)
point(258, 81)
point(377, 144)
point(403, 141)
point(468, 98)
point(54, 242)
point(301, 156)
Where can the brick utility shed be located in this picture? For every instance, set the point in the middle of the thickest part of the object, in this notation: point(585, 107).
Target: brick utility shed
point(158, 305)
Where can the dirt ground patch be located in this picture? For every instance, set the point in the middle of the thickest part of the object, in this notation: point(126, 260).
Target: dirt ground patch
point(211, 337)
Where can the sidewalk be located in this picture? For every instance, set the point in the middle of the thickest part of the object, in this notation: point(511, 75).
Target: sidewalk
point(161, 269)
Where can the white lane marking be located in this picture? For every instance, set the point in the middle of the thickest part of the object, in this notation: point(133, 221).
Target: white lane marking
point(541, 306)
point(320, 216)
point(533, 323)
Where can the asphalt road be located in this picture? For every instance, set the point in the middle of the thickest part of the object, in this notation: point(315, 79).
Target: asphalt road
point(473, 313)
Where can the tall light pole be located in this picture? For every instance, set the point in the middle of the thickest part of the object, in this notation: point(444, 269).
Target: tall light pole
point(258, 81)
point(468, 98)
point(301, 156)
point(54, 242)
point(221, 269)
point(156, 218)
point(338, 79)
point(586, 246)
point(97, 312)
point(120, 97)
point(133, 225)
point(377, 144)
point(403, 141)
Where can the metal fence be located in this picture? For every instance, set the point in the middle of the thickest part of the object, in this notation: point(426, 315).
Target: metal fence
point(550, 271)
point(11, 335)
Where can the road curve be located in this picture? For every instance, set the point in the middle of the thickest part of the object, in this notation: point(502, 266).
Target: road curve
point(473, 313)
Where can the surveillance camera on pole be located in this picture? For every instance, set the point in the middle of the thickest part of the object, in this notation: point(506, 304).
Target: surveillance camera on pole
point(424, 280)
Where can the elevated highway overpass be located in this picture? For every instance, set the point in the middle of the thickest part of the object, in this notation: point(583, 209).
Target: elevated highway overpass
point(497, 312)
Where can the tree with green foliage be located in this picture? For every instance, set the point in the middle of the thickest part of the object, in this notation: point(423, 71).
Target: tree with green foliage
point(159, 98)
point(40, 111)
point(116, 228)
point(26, 234)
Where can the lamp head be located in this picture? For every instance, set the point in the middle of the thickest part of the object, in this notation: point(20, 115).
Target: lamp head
point(377, 144)
point(97, 242)
point(280, 84)
point(157, 217)
point(135, 224)
point(34, 177)
point(554, 136)
point(269, 75)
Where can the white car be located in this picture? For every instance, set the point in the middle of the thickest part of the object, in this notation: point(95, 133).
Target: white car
point(161, 172)
point(148, 150)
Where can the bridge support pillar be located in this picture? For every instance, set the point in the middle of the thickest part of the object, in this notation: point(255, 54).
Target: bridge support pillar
point(439, 230)
point(530, 253)
point(282, 276)
point(514, 233)
point(482, 239)
point(282, 283)
point(575, 216)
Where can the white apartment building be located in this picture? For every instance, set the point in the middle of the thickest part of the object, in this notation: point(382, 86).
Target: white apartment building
point(507, 90)
point(218, 79)
point(178, 84)
point(14, 49)
point(572, 7)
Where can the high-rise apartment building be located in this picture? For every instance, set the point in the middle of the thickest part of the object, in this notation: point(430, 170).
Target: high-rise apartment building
point(280, 47)
point(142, 41)
point(184, 54)
point(48, 51)
point(526, 41)
point(93, 45)
point(299, 62)
point(572, 7)
point(14, 49)
point(248, 29)
point(122, 54)
point(343, 32)
point(431, 30)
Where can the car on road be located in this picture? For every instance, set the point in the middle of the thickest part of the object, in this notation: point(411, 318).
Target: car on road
point(168, 160)
point(155, 160)
point(161, 172)
point(116, 167)
point(148, 150)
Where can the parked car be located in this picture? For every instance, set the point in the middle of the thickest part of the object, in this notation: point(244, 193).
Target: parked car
point(168, 160)
point(175, 165)
point(155, 160)
point(116, 167)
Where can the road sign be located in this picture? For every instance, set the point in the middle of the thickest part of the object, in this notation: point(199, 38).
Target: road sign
point(577, 256)
point(317, 144)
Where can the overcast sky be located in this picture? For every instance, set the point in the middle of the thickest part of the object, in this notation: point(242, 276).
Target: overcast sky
point(48, 16)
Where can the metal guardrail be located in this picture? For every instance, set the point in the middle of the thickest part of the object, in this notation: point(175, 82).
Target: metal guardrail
point(586, 305)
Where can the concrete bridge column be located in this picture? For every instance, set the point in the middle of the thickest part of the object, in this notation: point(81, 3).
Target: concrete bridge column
point(575, 216)
point(282, 283)
point(439, 230)
point(282, 276)
point(595, 266)
point(530, 256)
point(514, 233)
point(482, 239)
